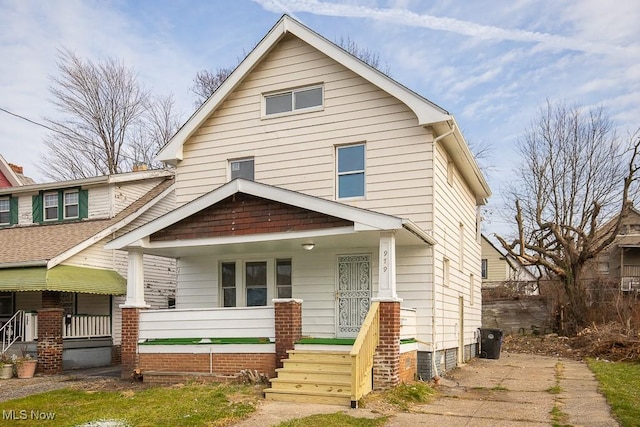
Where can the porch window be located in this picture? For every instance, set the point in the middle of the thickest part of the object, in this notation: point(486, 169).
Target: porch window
point(71, 204)
point(242, 168)
point(228, 281)
point(6, 304)
point(256, 283)
point(283, 278)
point(50, 206)
point(350, 179)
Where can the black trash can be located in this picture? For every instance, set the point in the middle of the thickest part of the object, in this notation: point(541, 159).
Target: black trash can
point(490, 343)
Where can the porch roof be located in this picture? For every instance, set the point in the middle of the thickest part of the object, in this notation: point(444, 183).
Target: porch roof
point(63, 278)
point(363, 222)
point(629, 241)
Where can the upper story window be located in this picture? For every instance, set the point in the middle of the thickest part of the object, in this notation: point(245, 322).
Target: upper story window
point(242, 168)
point(60, 205)
point(350, 179)
point(71, 204)
point(5, 211)
point(51, 206)
point(485, 268)
point(293, 100)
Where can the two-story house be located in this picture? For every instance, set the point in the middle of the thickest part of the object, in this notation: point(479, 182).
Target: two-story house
point(60, 291)
point(498, 268)
point(327, 221)
point(619, 262)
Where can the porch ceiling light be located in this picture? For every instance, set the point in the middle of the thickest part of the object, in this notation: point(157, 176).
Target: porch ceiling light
point(308, 246)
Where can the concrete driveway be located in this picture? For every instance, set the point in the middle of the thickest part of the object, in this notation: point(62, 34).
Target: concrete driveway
point(516, 390)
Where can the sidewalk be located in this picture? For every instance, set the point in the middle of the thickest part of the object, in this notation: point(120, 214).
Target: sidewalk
point(512, 391)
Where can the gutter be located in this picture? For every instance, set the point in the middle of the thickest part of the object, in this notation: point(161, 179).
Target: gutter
point(21, 264)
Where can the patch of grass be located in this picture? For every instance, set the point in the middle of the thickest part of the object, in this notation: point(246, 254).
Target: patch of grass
point(620, 383)
point(190, 405)
point(499, 387)
point(338, 419)
point(404, 394)
point(558, 417)
point(556, 389)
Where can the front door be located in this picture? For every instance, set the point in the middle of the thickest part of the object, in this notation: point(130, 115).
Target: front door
point(353, 293)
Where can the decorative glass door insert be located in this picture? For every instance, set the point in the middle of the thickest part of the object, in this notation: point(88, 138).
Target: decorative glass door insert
point(353, 293)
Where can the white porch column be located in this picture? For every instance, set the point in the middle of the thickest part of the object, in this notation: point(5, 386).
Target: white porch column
point(135, 282)
point(387, 267)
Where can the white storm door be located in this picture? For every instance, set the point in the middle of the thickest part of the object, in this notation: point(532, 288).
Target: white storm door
point(353, 293)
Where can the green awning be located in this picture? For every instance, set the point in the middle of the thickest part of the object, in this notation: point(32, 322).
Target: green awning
point(63, 278)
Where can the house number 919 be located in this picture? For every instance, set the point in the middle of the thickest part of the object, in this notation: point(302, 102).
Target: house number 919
point(385, 261)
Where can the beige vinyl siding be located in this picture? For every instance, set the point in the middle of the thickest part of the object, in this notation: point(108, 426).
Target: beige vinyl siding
point(100, 205)
point(454, 204)
point(25, 212)
point(498, 269)
point(128, 192)
point(198, 278)
point(297, 151)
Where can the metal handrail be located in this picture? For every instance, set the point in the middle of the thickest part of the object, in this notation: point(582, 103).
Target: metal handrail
point(12, 330)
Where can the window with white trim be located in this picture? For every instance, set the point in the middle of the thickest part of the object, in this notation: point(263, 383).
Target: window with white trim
point(5, 211)
point(253, 283)
point(50, 206)
point(485, 268)
point(305, 98)
point(283, 278)
point(472, 289)
point(445, 271)
point(242, 168)
point(71, 204)
point(350, 171)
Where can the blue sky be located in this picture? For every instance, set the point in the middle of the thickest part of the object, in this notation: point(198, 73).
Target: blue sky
point(490, 63)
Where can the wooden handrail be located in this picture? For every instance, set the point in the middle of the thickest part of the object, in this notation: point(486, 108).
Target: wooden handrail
point(362, 354)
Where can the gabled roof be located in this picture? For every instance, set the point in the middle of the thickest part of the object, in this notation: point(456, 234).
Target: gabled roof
point(8, 172)
point(510, 260)
point(426, 111)
point(362, 219)
point(50, 244)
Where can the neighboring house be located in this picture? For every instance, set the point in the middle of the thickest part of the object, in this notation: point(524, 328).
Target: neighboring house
point(60, 290)
point(498, 268)
point(316, 196)
point(620, 261)
point(11, 175)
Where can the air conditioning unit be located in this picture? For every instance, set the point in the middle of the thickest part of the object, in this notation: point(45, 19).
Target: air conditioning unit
point(626, 285)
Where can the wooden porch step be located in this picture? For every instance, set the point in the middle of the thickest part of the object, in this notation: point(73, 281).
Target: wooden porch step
point(329, 386)
point(315, 366)
point(332, 398)
point(320, 356)
point(305, 375)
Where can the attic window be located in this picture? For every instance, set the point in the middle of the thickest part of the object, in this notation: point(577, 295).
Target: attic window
point(294, 100)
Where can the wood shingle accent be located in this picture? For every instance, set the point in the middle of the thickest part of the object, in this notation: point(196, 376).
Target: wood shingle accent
point(243, 214)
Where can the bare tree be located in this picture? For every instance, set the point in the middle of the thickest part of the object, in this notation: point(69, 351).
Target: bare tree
point(207, 81)
point(103, 109)
point(575, 174)
point(367, 56)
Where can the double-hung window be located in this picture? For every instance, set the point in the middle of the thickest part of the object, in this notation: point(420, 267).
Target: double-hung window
point(5, 211)
point(283, 278)
point(350, 168)
point(485, 268)
point(71, 204)
point(305, 98)
point(256, 283)
point(50, 206)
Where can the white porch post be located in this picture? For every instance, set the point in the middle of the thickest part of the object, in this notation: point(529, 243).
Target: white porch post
point(387, 267)
point(135, 282)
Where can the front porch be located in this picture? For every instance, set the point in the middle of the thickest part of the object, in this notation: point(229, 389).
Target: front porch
point(223, 343)
point(86, 339)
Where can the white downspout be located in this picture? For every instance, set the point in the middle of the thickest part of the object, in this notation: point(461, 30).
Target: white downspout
point(434, 343)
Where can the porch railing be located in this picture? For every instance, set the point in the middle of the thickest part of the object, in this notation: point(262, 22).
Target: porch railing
point(362, 354)
point(631, 271)
point(86, 326)
point(12, 330)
